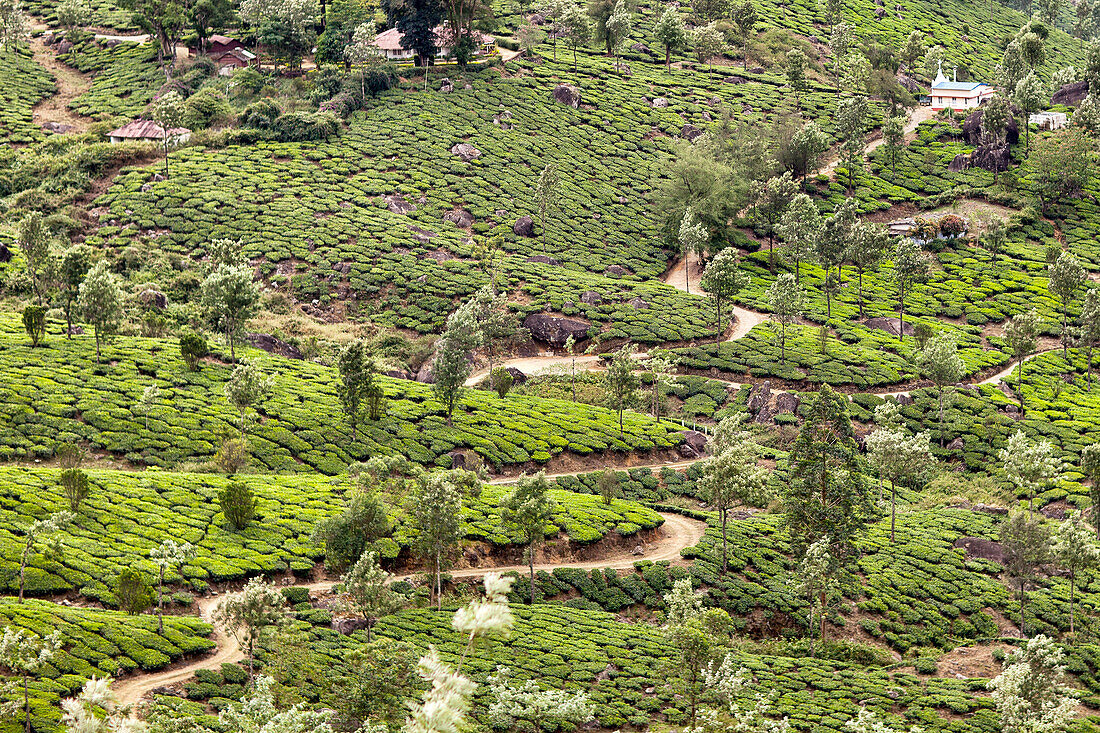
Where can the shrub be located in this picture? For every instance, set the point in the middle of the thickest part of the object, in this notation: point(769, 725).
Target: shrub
point(133, 591)
point(75, 484)
point(193, 348)
point(34, 320)
point(501, 382)
point(306, 127)
point(206, 108)
point(232, 455)
point(238, 504)
point(260, 114)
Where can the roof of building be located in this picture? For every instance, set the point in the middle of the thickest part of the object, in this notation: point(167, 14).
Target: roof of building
point(241, 53)
point(390, 40)
point(222, 40)
point(958, 86)
point(146, 130)
point(943, 84)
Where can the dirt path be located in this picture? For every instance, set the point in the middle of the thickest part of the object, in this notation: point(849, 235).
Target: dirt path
point(70, 85)
point(919, 115)
point(686, 275)
point(677, 533)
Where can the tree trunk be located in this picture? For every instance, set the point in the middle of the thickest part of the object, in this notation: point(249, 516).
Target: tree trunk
point(718, 334)
point(573, 377)
point(893, 508)
point(668, 59)
point(725, 557)
point(22, 575)
point(26, 704)
point(97, 354)
point(941, 416)
point(531, 566)
point(1023, 605)
point(160, 603)
point(822, 619)
point(1065, 330)
point(1072, 588)
point(687, 271)
point(69, 318)
point(860, 270)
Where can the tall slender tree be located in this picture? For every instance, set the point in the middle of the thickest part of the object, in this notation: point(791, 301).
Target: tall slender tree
point(530, 508)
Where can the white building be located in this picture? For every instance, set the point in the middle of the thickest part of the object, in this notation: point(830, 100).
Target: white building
point(1048, 120)
point(958, 95)
point(389, 44)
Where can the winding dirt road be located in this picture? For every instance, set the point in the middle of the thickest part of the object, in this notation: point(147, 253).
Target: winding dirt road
point(677, 533)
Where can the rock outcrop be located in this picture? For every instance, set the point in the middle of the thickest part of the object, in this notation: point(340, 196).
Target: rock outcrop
point(555, 330)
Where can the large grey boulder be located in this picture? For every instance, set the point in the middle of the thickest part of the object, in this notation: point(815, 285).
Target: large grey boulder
point(568, 95)
point(555, 330)
point(465, 151)
point(524, 226)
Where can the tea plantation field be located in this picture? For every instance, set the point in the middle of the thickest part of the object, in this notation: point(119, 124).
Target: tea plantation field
point(129, 513)
point(95, 643)
point(22, 84)
point(620, 663)
point(57, 393)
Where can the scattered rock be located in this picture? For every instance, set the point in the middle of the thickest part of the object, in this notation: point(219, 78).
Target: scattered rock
point(694, 445)
point(989, 509)
point(166, 691)
point(146, 187)
point(568, 95)
point(5, 253)
point(972, 129)
point(956, 444)
point(398, 205)
point(76, 331)
point(637, 551)
point(460, 218)
point(759, 397)
point(426, 375)
point(786, 402)
point(503, 120)
point(458, 459)
point(735, 80)
point(272, 345)
point(347, 626)
point(153, 299)
point(706, 117)
point(714, 102)
point(756, 70)
point(465, 151)
point(446, 86)
point(588, 297)
point(659, 102)
point(537, 19)
point(641, 48)
point(1071, 94)
point(984, 549)
point(991, 158)
point(904, 399)
point(1053, 511)
point(1012, 410)
point(764, 417)
point(616, 270)
point(524, 226)
point(555, 330)
point(959, 163)
point(690, 132)
point(56, 127)
point(64, 47)
point(518, 377)
point(544, 260)
point(638, 304)
point(399, 374)
point(889, 325)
